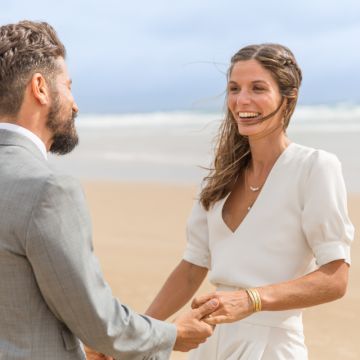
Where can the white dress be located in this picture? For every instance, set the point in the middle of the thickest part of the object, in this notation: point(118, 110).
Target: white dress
point(298, 222)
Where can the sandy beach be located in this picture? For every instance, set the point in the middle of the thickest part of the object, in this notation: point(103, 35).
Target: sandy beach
point(139, 236)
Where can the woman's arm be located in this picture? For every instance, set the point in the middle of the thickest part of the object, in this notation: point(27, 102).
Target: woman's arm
point(177, 290)
point(326, 284)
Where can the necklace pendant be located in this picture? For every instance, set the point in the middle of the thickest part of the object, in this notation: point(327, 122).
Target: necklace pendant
point(254, 189)
point(249, 207)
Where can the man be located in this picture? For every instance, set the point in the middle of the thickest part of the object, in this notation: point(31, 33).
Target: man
point(52, 292)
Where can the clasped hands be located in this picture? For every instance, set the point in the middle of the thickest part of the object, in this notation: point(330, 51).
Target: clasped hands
point(195, 326)
point(233, 306)
point(207, 311)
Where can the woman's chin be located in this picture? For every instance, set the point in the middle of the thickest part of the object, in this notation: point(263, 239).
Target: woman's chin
point(249, 130)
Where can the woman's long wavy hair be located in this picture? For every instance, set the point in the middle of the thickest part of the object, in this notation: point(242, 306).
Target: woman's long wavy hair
point(232, 151)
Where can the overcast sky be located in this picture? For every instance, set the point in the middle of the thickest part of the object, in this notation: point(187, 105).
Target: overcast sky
point(158, 55)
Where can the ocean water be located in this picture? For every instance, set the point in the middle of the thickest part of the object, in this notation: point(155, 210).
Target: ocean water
point(176, 146)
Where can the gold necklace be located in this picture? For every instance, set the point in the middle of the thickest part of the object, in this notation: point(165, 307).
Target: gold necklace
point(252, 188)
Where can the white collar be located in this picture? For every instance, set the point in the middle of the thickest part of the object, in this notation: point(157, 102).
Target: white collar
point(27, 133)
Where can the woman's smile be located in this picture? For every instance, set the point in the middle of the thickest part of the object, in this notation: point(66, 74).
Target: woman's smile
point(252, 95)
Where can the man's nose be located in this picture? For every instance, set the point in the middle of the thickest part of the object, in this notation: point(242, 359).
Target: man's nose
point(75, 108)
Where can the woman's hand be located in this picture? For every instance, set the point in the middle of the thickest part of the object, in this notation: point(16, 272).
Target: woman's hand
point(233, 306)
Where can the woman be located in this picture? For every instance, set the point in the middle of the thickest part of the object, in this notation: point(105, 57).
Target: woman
point(268, 211)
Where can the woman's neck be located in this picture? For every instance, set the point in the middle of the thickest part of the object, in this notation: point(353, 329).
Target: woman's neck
point(265, 151)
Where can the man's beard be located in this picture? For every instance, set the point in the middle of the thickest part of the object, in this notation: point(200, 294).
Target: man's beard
point(65, 137)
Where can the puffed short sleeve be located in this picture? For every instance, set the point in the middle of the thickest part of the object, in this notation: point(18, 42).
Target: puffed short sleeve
point(325, 220)
point(197, 249)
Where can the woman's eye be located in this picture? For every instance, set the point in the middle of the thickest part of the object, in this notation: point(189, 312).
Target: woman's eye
point(259, 89)
point(233, 88)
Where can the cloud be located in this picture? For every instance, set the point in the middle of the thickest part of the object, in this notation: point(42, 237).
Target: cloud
point(129, 56)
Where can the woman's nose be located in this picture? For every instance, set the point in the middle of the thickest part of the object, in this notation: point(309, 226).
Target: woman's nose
point(243, 97)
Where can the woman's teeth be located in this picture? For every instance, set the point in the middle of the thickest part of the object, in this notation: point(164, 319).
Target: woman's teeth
point(248, 114)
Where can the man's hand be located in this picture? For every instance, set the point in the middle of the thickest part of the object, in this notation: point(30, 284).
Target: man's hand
point(191, 330)
point(94, 355)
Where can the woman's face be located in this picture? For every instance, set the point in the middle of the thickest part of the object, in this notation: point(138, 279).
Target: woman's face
point(253, 94)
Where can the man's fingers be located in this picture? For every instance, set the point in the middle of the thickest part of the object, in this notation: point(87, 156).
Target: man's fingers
point(218, 312)
point(206, 308)
point(214, 320)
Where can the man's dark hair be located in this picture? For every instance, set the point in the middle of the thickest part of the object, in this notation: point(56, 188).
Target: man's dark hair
point(25, 48)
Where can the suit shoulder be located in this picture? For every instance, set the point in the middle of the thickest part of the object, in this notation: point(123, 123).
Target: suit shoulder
point(34, 177)
point(60, 183)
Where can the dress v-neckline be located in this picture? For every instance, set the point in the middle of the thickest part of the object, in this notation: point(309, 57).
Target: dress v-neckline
point(263, 189)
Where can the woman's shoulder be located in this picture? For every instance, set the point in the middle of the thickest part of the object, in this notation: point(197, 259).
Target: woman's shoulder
point(309, 156)
point(314, 168)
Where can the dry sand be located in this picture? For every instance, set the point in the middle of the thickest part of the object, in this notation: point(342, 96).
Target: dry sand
point(139, 236)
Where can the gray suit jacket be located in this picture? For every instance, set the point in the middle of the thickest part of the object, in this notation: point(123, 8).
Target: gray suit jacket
point(52, 292)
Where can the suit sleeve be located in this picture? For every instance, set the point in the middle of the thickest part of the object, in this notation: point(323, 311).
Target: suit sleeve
point(59, 248)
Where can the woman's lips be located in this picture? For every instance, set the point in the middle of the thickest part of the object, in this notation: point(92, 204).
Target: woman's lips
point(248, 115)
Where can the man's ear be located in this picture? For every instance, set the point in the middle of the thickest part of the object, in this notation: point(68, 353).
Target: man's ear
point(40, 89)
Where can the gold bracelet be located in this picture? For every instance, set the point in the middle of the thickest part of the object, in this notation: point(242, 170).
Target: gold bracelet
point(259, 305)
point(251, 296)
point(255, 299)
